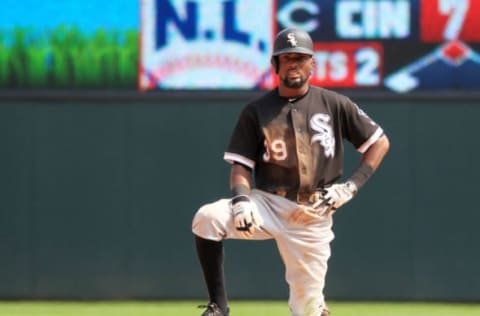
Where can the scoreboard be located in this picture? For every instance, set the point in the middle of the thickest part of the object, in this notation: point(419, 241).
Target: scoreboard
point(400, 46)
point(396, 45)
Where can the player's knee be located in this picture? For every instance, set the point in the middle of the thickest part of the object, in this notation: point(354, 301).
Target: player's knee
point(202, 217)
point(206, 223)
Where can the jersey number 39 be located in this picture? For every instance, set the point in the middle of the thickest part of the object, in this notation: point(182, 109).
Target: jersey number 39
point(276, 151)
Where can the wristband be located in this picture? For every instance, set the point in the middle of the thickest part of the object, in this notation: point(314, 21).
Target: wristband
point(240, 192)
point(361, 175)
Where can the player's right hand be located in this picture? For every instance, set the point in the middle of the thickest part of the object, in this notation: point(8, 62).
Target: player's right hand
point(244, 215)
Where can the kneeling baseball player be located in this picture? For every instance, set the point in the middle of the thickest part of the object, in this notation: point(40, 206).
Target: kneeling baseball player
point(286, 154)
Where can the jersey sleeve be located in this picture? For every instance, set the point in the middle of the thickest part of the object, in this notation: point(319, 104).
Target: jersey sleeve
point(243, 146)
point(359, 128)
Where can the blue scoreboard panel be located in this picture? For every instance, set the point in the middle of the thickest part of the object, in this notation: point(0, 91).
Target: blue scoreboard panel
point(396, 45)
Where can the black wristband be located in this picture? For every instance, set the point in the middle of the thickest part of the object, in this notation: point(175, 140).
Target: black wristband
point(240, 189)
point(240, 192)
point(361, 175)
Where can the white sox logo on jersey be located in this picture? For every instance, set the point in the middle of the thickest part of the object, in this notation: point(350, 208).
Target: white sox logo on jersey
point(292, 40)
point(319, 123)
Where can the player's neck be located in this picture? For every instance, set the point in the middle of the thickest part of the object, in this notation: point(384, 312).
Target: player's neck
point(287, 92)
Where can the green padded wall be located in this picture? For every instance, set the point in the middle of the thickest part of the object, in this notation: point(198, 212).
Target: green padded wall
point(97, 199)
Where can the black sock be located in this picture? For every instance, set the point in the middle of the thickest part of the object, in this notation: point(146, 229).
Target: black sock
point(210, 254)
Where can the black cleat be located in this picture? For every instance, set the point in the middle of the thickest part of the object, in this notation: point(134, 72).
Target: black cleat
point(214, 310)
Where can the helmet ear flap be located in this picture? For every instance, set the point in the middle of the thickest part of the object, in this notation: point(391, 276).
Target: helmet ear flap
point(274, 62)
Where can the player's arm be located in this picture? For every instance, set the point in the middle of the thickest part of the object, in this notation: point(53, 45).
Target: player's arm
point(240, 176)
point(240, 153)
point(244, 212)
point(374, 155)
point(339, 194)
point(371, 160)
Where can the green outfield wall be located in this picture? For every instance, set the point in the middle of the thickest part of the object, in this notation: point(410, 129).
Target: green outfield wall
point(97, 197)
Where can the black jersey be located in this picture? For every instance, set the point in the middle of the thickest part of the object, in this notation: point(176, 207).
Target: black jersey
point(296, 145)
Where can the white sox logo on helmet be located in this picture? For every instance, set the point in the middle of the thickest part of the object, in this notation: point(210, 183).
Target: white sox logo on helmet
point(292, 40)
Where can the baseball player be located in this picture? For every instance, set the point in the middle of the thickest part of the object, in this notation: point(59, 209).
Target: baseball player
point(286, 155)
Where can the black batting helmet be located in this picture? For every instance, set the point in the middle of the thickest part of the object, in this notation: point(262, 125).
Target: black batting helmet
point(291, 40)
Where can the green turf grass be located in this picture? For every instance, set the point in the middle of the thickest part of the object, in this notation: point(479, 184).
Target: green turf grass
point(239, 308)
point(65, 57)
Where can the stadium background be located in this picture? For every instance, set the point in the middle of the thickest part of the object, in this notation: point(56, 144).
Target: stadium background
point(99, 184)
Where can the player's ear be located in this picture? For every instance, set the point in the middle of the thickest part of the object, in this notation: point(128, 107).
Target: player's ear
point(274, 62)
point(313, 66)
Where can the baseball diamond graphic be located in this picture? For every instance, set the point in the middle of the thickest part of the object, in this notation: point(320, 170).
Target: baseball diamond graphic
point(450, 65)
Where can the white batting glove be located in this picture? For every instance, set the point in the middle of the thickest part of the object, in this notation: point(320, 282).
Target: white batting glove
point(338, 194)
point(245, 215)
point(321, 204)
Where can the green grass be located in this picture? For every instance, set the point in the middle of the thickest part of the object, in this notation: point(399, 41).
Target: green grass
point(65, 57)
point(239, 308)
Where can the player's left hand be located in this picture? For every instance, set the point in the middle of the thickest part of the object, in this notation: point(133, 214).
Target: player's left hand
point(338, 194)
point(320, 204)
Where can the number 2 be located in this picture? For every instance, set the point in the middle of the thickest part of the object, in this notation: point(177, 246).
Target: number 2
point(367, 72)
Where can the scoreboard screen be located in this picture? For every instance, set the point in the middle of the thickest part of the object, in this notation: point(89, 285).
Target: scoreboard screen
point(400, 46)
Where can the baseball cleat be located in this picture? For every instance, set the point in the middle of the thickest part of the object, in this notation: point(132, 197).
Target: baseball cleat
point(326, 311)
point(214, 310)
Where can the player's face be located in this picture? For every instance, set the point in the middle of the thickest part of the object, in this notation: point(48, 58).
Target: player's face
point(294, 69)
